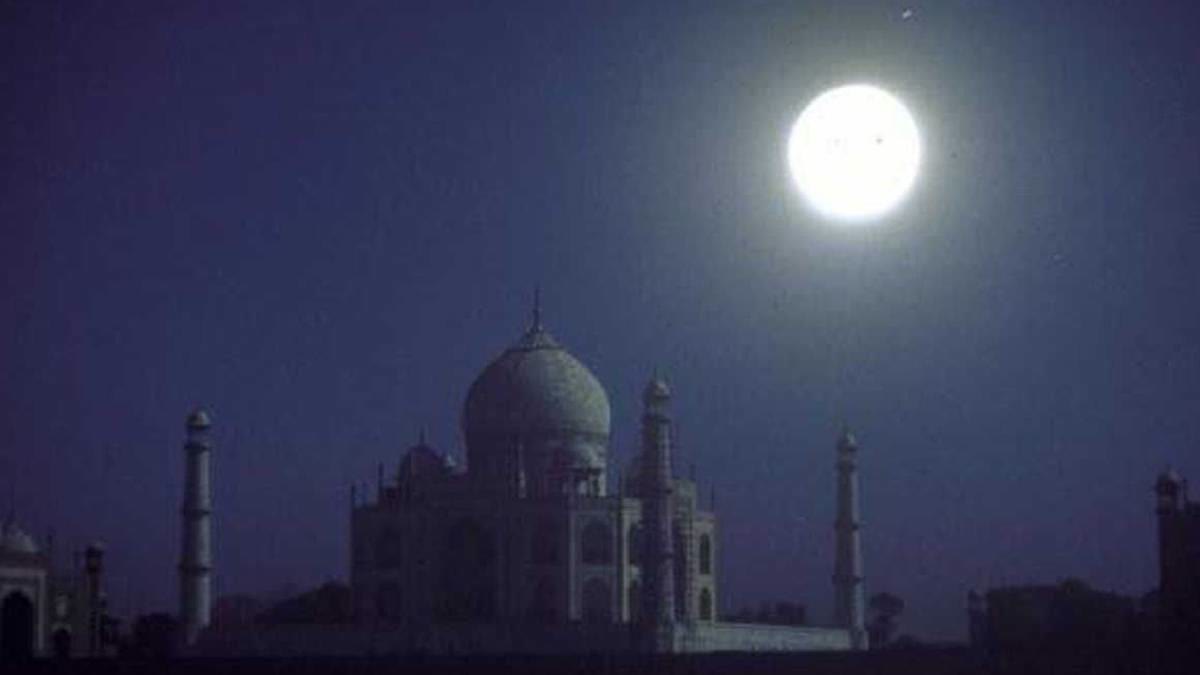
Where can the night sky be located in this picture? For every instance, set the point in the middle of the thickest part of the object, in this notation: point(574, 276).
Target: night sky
point(321, 220)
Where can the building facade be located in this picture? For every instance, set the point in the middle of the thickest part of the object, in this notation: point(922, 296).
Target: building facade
point(535, 538)
point(535, 531)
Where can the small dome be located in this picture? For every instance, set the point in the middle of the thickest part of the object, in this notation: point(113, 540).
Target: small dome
point(536, 388)
point(421, 462)
point(15, 540)
point(199, 419)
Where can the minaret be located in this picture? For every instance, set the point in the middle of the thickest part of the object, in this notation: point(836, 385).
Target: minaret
point(93, 567)
point(659, 570)
point(195, 563)
point(848, 602)
point(1172, 566)
point(976, 619)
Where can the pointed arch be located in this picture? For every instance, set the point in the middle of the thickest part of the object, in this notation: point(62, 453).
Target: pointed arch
point(16, 627)
point(62, 643)
point(706, 605)
point(468, 585)
point(635, 602)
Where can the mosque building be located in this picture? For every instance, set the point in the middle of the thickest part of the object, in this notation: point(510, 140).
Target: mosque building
point(534, 547)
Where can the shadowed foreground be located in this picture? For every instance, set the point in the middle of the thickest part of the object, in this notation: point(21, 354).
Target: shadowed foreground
point(917, 661)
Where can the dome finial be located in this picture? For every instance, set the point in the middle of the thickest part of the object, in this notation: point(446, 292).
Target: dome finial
point(536, 326)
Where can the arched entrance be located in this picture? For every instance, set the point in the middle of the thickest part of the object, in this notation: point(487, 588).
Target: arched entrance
point(635, 602)
point(706, 605)
point(469, 583)
point(16, 627)
point(62, 643)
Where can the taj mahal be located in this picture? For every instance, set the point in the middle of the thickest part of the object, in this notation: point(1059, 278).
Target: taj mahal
point(530, 548)
point(533, 547)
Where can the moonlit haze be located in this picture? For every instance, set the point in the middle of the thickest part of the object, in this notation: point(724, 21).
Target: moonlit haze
point(854, 152)
point(968, 230)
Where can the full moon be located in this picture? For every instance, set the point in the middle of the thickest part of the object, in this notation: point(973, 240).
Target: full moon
point(854, 152)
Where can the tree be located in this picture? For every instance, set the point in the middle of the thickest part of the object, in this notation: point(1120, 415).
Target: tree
point(885, 608)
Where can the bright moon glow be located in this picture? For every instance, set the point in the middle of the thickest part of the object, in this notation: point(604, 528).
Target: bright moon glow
point(854, 152)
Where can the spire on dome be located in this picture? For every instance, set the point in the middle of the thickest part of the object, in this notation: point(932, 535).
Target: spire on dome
point(536, 326)
point(536, 336)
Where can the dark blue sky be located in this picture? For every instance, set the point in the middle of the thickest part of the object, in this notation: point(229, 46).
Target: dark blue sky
point(323, 219)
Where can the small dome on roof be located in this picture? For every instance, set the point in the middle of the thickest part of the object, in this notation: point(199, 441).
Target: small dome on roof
point(15, 540)
point(421, 461)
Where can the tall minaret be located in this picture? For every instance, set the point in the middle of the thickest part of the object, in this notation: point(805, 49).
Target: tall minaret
point(93, 567)
point(1172, 545)
point(848, 602)
point(659, 570)
point(195, 561)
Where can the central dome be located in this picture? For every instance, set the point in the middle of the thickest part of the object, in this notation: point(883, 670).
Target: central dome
point(536, 389)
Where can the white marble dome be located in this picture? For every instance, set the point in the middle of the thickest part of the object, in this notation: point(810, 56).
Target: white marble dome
point(536, 388)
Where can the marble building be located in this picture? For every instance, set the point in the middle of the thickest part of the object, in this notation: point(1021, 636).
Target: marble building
point(535, 538)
